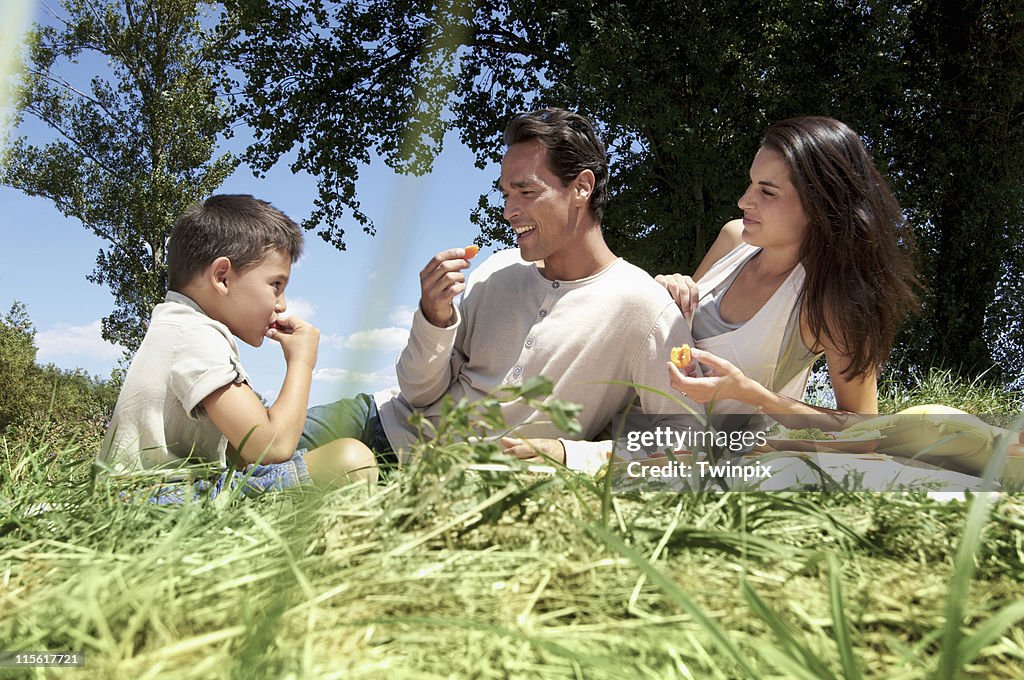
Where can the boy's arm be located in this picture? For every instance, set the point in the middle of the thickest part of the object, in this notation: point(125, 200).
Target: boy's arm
point(236, 410)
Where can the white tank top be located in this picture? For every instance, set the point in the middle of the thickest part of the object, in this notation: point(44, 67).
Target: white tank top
point(768, 347)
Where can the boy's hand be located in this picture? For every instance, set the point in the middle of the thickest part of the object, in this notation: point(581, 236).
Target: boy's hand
point(440, 281)
point(299, 339)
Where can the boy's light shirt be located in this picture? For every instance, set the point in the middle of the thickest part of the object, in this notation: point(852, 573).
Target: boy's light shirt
point(159, 421)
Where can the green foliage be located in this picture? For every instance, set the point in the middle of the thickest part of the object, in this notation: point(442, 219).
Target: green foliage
point(46, 405)
point(957, 151)
point(17, 362)
point(683, 92)
point(449, 571)
point(466, 436)
point(131, 149)
point(974, 395)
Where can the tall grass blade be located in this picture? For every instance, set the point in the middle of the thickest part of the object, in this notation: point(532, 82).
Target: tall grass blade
point(682, 600)
point(950, 659)
point(851, 669)
point(990, 631)
point(796, 652)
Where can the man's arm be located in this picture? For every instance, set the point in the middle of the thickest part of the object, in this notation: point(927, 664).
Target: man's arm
point(429, 362)
point(426, 366)
point(236, 410)
point(579, 455)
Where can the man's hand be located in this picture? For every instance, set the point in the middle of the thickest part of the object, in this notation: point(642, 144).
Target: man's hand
point(299, 340)
point(683, 290)
point(534, 449)
point(1018, 448)
point(440, 281)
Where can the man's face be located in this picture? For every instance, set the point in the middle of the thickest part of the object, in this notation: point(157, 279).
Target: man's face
point(542, 213)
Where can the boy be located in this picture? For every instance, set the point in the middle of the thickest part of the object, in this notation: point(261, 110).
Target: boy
point(186, 398)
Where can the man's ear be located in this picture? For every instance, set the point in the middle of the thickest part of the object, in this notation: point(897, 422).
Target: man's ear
point(583, 185)
point(218, 272)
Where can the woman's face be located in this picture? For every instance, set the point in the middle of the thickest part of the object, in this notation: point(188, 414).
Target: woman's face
point(772, 213)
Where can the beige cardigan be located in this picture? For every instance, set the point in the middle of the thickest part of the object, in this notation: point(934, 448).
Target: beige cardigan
point(514, 324)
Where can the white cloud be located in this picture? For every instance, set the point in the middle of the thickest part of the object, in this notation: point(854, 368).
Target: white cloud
point(402, 316)
point(380, 339)
point(300, 307)
point(80, 341)
point(379, 379)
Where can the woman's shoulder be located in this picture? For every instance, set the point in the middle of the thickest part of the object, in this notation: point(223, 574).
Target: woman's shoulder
point(729, 238)
point(826, 341)
point(731, 234)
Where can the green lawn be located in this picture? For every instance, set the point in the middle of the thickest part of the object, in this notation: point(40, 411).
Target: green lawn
point(447, 573)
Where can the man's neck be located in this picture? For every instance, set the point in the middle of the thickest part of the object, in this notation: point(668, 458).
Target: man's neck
point(590, 256)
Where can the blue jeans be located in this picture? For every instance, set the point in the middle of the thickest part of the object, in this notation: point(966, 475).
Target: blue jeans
point(355, 418)
point(253, 480)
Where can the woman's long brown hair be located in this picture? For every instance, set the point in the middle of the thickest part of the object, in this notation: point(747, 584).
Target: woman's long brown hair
point(857, 253)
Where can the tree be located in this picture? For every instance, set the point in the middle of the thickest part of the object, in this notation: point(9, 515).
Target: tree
point(17, 361)
point(131, 149)
point(46, 405)
point(683, 92)
point(957, 144)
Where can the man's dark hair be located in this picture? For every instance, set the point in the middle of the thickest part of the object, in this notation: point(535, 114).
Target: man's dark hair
point(236, 226)
point(572, 146)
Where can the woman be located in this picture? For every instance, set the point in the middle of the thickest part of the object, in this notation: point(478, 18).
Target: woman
point(816, 266)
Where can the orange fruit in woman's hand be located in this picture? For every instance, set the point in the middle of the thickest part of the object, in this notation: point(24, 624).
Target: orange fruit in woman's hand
point(681, 357)
point(471, 251)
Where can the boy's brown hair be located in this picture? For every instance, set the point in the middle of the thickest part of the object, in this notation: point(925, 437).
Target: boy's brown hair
point(236, 226)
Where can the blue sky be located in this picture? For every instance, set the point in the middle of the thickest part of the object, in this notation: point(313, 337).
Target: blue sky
point(361, 299)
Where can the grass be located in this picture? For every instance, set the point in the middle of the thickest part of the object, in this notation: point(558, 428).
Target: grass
point(443, 573)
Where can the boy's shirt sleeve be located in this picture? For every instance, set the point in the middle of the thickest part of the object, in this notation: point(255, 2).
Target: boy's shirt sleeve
point(208, 363)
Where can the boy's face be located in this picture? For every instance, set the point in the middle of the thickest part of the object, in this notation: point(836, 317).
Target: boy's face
point(256, 296)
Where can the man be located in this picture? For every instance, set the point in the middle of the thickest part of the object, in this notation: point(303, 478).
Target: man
point(562, 306)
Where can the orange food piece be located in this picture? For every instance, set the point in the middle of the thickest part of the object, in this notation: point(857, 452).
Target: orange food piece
point(681, 357)
point(471, 251)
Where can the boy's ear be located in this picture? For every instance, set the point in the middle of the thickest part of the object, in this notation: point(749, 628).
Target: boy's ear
point(218, 274)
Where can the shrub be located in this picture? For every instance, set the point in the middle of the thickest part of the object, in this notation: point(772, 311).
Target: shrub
point(47, 405)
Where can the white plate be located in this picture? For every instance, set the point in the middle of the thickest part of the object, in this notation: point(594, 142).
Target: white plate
point(827, 445)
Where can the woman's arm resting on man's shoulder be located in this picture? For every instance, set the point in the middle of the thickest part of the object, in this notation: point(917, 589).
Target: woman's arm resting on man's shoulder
point(683, 289)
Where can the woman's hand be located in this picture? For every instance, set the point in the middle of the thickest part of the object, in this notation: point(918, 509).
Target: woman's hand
point(722, 380)
point(683, 290)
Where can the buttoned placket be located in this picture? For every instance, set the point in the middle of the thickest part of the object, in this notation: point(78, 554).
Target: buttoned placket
point(515, 375)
